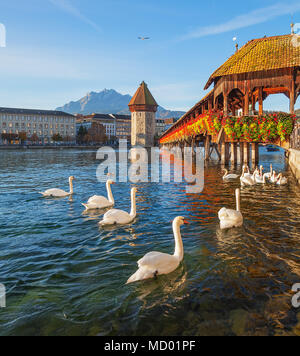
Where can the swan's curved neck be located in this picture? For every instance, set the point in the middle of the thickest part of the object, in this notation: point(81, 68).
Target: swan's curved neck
point(243, 173)
point(71, 186)
point(226, 173)
point(179, 252)
point(238, 200)
point(109, 193)
point(133, 205)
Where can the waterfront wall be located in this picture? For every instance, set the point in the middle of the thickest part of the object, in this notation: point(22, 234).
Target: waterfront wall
point(16, 147)
point(294, 161)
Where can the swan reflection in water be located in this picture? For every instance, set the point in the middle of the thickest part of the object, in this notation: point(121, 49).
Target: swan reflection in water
point(163, 288)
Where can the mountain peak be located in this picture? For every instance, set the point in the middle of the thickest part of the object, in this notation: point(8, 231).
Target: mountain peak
point(108, 101)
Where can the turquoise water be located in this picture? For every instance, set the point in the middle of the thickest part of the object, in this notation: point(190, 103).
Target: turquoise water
point(66, 276)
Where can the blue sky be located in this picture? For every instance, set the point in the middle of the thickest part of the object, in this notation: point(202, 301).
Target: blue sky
point(58, 50)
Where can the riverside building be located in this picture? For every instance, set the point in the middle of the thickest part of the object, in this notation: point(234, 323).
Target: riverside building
point(39, 125)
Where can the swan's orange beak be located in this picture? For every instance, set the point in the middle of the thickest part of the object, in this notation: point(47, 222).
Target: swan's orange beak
point(186, 222)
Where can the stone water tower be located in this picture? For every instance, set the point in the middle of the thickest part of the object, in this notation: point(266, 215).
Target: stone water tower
point(143, 109)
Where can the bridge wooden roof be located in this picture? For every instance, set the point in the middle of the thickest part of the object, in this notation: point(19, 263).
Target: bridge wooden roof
point(261, 54)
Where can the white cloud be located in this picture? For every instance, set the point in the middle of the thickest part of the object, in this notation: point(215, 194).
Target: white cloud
point(246, 20)
point(66, 6)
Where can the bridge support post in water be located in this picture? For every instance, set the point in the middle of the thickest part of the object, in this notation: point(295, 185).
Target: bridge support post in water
point(255, 154)
point(246, 153)
point(207, 148)
point(193, 147)
point(233, 157)
point(241, 153)
point(224, 153)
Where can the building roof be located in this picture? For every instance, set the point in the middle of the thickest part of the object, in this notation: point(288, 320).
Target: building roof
point(261, 54)
point(143, 96)
point(15, 111)
point(122, 117)
point(96, 116)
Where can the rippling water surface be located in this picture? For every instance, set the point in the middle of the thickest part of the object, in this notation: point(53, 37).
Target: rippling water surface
point(66, 276)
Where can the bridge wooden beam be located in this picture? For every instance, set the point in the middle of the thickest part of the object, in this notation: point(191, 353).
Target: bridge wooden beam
point(233, 156)
point(224, 153)
point(293, 92)
point(241, 153)
point(225, 109)
point(207, 147)
point(246, 153)
point(255, 154)
point(260, 100)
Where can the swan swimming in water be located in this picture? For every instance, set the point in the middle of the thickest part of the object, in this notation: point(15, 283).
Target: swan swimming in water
point(246, 174)
point(229, 176)
point(274, 178)
point(247, 179)
point(120, 217)
point(269, 175)
point(59, 193)
point(281, 180)
point(261, 179)
point(232, 218)
point(99, 202)
point(156, 263)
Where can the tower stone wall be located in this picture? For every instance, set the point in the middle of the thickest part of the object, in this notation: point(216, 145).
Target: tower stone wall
point(143, 128)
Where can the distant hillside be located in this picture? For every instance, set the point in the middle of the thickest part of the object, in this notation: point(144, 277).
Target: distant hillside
point(109, 101)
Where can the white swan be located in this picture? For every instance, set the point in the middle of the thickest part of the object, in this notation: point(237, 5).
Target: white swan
point(274, 178)
point(157, 263)
point(114, 216)
point(232, 218)
point(58, 193)
point(269, 175)
point(246, 179)
point(229, 176)
point(281, 180)
point(246, 174)
point(261, 179)
point(99, 202)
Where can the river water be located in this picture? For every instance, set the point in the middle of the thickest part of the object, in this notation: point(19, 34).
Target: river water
point(66, 276)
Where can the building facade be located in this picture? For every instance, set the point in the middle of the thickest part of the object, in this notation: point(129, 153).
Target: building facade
point(108, 122)
point(143, 109)
point(123, 127)
point(117, 127)
point(39, 126)
point(160, 126)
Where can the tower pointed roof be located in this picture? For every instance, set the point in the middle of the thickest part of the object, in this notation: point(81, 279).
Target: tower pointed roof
point(143, 99)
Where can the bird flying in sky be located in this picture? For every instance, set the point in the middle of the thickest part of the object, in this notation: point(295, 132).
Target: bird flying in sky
point(144, 38)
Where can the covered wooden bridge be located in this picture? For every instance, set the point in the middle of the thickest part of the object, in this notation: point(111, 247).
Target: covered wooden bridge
point(262, 67)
